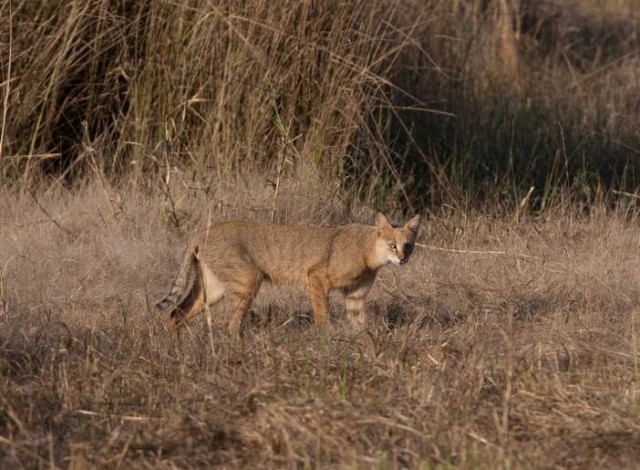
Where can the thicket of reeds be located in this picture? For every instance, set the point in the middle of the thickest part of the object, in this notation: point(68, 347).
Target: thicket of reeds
point(403, 103)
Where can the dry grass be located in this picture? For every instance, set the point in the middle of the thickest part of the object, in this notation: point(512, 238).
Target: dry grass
point(404, 104)
point(509, 341)
point(518, 352)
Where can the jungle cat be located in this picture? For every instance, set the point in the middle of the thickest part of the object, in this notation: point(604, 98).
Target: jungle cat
point(230, 260)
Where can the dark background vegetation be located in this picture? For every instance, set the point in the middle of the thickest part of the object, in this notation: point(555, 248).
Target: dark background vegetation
point(418, 102)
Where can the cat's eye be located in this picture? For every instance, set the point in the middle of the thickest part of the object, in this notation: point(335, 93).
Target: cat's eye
point(392, 246)
point(408, 248)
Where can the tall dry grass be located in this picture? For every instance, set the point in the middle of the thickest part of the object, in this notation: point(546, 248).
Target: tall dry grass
point(404, 104)
point(136, 87)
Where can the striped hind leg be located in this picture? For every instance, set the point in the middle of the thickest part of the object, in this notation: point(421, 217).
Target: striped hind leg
point(319, 285)
point(242, 289)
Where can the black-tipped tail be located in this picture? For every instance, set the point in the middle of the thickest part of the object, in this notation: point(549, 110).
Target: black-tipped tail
point(186, 276)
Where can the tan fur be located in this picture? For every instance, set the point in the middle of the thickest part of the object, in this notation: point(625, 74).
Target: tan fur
point(232, 259)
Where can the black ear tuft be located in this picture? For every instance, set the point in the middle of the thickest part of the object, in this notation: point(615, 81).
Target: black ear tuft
point(381, 221)
point(414, 223)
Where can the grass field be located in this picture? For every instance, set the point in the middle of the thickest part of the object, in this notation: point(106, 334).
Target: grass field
point(508, 341)
point(502, 344)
